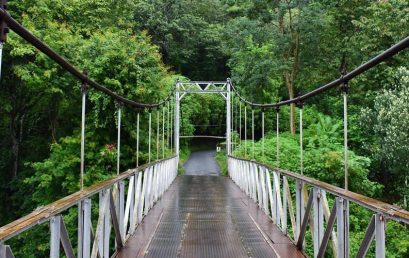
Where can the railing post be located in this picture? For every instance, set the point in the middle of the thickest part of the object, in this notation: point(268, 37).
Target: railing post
point(284, 218)
point(342, 227)
point(318, 219)
point(380, 223)
point(3, 250)
point(84, 229)
point(299, 196)
point(55, 223)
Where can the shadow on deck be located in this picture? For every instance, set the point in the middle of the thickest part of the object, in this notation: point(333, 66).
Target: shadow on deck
point(207, 216)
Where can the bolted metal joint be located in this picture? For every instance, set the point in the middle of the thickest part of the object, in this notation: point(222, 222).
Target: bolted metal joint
point(4, 29)
point(344, 87)
point(119, 104)
point(85, 83)
point(299, 103)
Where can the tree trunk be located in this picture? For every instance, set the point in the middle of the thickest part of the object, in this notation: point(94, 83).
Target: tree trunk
point(290, 87)
point(16, 134)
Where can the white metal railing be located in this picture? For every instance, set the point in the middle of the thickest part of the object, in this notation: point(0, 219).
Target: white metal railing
point(123, 202)
point(269, 188)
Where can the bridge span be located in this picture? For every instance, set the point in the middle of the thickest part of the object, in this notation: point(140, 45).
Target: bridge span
point(207, 216)
point(150, 211)
point(203, 215)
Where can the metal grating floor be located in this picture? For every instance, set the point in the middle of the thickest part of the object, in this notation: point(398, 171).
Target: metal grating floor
point(206, 216)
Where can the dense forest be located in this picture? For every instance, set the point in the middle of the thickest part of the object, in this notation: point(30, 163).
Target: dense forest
point(271, 50)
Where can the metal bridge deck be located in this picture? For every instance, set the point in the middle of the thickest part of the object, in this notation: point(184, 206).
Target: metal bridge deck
point(207, 216)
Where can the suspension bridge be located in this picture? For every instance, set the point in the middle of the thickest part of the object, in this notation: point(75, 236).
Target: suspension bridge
point(257, 211)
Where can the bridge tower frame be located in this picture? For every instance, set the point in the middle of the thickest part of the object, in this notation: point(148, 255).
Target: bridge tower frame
point(202, 87)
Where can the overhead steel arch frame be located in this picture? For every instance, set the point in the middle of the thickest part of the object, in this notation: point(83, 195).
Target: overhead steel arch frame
point(202, 87)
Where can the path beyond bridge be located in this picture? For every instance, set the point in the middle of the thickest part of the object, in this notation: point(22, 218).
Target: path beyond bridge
point(203, 215)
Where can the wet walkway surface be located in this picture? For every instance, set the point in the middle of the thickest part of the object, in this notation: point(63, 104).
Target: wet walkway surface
point(207, 216)
point(202, 163)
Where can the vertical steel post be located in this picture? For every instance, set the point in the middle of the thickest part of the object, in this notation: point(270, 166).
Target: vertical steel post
point(262, 135)
point(232, 122)
point(245, 131)
point(299, 198)
point(84, 89)
point(84, 232)
point(171, 126)
point(55, 223)
point(118, 157)
point(318, 219)
point(342, 227)
point(168, 123)
point(380, 224)
point(3, 250)
point(81, 230)
point(177, 117)
point(149, 135)
point(163, 132)
point(137, 139)
point(240, 122)
point(228, 117)
point(252, 132)
point(345, 140)
point(157, 133)
point(344, 88)
point(278, 136)
point(301, 142)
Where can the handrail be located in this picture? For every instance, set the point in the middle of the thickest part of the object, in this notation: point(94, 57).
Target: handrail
point(390, 52)
point(66, 65)
point(43, 214)
point(392, 211)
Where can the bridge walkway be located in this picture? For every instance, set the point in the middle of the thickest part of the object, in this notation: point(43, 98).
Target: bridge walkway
point(207, 216)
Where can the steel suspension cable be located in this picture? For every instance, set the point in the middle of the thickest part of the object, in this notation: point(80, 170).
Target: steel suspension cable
point(81, 76)
point(388, 53)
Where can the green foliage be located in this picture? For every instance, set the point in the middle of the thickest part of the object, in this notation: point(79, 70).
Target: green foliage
point(388, 122)
point(133, 47)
